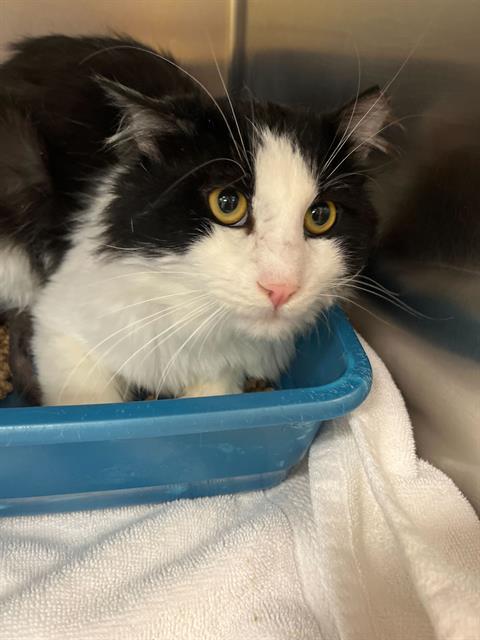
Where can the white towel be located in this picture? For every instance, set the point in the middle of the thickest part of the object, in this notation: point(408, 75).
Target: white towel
point(364, 542)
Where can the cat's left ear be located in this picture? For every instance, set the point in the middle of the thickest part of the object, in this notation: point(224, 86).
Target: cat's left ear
point(365, 120)
point(142, 119)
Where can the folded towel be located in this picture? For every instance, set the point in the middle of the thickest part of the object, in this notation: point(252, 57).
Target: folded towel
point(364, 541)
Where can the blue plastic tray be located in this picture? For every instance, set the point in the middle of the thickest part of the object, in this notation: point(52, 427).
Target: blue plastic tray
point(64, 458)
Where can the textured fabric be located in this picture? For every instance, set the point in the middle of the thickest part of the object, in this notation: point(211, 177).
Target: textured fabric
point(364, 541)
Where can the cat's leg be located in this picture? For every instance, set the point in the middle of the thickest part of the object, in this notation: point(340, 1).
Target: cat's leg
point(221, 387)
point(68, 374)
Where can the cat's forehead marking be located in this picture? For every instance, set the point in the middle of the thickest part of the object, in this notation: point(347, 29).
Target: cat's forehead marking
point(285, 180)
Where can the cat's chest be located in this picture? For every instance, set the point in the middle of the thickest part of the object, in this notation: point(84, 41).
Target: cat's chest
point(181, 346)
point(155, 332)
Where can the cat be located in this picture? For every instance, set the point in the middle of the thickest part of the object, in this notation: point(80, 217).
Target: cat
point(162, 238)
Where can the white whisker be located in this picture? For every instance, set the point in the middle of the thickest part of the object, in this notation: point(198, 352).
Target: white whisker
point(242, 142)
point(176, 66)
point(180, 324)
point(153, 317)
point(155, 299)
point(350, 301)
point(393, 301)
point(140, 273)
point(377, 284)
point(346, 133)
point(443, 265)
point(183, 345)
point(209, 332)
point(380, 97)
point(336, 182)
point(367, 140)
point(189, 173)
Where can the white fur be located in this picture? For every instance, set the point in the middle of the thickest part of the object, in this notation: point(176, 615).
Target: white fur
point(276, 250)
point(195, 324)
point(365, 124)
point(139, 119)
point(19, 284)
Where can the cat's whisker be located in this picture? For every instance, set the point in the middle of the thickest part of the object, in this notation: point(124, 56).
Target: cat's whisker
point(375, 283)
point(338, 296)
point(151, 319)
point(92, 351)
point(372, 289)
point(156, 345)
point(327, 321)
point(78, 123)
point(331, 184)
point(234, 115)
point(139, 273)
point(444, 265)
point(254, 127)
point(393, 123)
point(210, 331)
point(393, 301)
point(188, 174)
point(156, 316)
point(170, 330)
point(346, 133)
point(233, 182)
point(350, 301)
point(377, 287)
point(350, 278)
point(116, 248)
point(337, 180)
point(393, 296)
point(176, 66)
point(361, 282)
point(155, 299)
point(380, 97)
point(251, 120)
point(175, 356)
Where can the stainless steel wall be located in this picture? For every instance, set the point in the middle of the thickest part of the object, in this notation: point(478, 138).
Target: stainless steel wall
point(311, 53)
point(185, 27)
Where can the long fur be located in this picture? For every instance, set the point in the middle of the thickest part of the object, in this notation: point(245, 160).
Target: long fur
point(107, 237)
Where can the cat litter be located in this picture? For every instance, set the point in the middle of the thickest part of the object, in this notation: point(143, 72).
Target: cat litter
point(5, 384)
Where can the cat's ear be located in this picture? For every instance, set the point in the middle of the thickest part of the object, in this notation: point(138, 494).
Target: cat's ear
point(364, 120)
point(143, 120)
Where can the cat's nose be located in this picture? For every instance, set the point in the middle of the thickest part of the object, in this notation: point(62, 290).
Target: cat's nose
point(279, 293)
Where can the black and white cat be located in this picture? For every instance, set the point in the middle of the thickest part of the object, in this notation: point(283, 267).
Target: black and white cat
point(164, 239)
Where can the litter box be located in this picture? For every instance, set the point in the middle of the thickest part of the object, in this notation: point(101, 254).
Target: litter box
point(84, 457)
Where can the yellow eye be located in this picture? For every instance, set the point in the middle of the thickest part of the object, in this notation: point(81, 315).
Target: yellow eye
point(320, 217)
point(229, 206)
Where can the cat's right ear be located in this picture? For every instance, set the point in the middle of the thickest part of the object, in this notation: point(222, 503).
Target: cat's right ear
point(363, 121)
point(143, 120)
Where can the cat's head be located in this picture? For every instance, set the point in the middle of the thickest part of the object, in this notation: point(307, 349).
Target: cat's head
point(262, 207)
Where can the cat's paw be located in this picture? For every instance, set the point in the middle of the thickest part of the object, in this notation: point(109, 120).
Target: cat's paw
point(217, 388)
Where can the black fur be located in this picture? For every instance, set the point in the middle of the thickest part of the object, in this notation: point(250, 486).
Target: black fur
point(60, 101)
point(54, 119)
point(20, 328)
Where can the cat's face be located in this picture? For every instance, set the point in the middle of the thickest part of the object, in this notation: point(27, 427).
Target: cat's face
point(256, 213)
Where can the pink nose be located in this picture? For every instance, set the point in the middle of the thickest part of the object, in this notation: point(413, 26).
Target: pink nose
point(279, 293)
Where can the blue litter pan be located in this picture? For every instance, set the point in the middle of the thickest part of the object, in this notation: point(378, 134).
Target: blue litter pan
point(83, 457)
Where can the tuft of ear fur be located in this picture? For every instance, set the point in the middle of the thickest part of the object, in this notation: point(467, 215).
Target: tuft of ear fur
point(364, 120)
point(142, 120)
